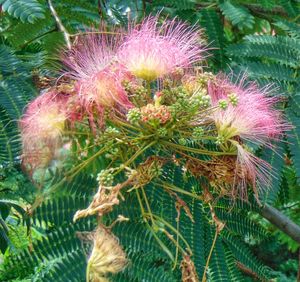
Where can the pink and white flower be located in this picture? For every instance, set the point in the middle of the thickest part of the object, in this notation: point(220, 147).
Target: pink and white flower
point(152, 50)
point(247, 114)
point(41, 128)
point(98, 76)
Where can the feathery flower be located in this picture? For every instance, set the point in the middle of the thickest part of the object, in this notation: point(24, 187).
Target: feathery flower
point(152, 51)
point(41, 129)
point(90, 55)
point(246, 113)
point(99, 78)
point(249, 112)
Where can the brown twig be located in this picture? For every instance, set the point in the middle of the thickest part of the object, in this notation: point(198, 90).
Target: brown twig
point(247, 270)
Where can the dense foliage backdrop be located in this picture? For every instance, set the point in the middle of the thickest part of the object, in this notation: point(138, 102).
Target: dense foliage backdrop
point(38, 239)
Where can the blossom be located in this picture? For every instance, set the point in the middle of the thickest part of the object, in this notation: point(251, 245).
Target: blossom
point(246, 111)
point(42, 127)
point(152, 51)
point(98, 76)
point(91, 54)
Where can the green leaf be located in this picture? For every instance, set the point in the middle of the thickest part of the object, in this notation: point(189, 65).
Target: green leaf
point(9, 143)
point(237, 15)
point(212, 24)
point(294, 140)
point(25, 10)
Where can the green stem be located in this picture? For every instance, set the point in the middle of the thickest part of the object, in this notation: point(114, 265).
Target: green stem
point(197, 151)
point(128, 162)
point(173, 229)
point(162, 245)
point(88, 273)
point(209, 256)
point(148, 206)
point(177, 189)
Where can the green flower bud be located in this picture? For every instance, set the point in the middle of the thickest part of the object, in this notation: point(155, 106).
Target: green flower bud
point(198, 132)
point(111, 130)
point(162, 132)
point(220, 140)
point(223, 104)
point(105, 177)
point(182, 141)
point(201, 100)
point(233, 99)
point(134, 115)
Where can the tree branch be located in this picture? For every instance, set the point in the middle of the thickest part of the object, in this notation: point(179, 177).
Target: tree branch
point(281, 221)
point(60, 25)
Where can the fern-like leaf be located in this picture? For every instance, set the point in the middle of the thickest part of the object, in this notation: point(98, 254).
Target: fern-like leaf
point(237, 15)
point(25, 10)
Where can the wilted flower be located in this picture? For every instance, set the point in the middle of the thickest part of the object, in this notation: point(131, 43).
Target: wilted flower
point(107, 256)
point(152, 51)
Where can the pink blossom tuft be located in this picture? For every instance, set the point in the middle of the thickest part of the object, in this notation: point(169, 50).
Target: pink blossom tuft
point(249, 115)
point(91, 54)
point(103, 90)
point(253, 118)
point(152, 51)
point(41, 129)
point(98, 76)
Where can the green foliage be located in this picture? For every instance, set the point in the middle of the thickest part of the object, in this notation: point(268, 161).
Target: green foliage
point(25, 10)
point(210, 20)
point(237, 15)
point(10, 147)
point(30, 41)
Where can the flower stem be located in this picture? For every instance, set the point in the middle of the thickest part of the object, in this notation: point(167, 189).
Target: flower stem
point(209, 256)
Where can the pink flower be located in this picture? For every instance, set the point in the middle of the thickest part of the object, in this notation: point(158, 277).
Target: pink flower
point(41, 128)
point(249, 113)
point(152, 51)
point(246, 113)
point(98, 77)
point(102, 90)
point(91, 54)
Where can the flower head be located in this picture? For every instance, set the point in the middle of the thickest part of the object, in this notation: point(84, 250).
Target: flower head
point(42, 127)
point(246, 111)
point(151, 50)
point(98, 76)
point(91, 54)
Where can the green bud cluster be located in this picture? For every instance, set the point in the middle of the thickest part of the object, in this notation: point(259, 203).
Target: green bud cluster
point(162, 132)
point(156, 171)
point(126, 84)
point(220, 140)
point(233, 99)
point(140, 90)
point(201, 99)
point(182, 141)
point(105, 177)
point(198, 133)
point(113, 152)
point(111, 130)
point(134, 115)
point(223, 104)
